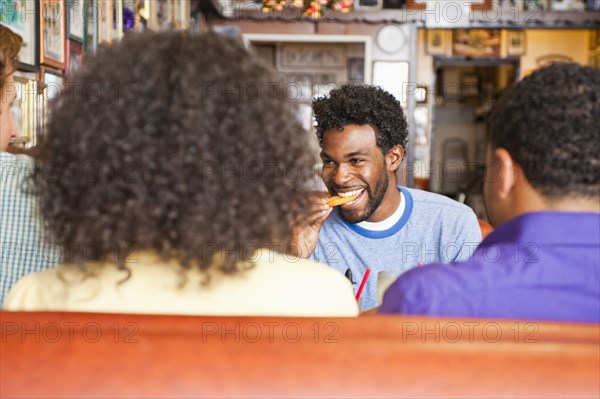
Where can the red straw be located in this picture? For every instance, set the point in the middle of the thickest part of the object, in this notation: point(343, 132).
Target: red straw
point(362, 284)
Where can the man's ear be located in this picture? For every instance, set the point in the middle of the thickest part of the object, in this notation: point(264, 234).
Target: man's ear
point(393, 158)
point(509, 171)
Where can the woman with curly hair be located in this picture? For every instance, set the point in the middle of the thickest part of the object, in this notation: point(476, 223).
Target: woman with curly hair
point(173, 173)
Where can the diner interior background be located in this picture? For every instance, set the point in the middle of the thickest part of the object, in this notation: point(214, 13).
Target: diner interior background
point(447, 62)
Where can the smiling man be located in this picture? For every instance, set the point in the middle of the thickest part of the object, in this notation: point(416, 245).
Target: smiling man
point(387, 228)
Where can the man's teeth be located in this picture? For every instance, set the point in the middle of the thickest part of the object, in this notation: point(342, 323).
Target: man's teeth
point(351, 193)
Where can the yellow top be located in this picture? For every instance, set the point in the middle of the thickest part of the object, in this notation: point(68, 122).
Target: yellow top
point(276, 285)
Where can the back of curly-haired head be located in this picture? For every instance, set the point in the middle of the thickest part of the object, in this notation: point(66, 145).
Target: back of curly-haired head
point(175, 143)
point(10, 45)
point(354, 104)
point(550, 124)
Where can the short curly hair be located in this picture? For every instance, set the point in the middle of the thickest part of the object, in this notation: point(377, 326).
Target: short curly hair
point(175, 143)
point(549, 123)
point(356, 104)
point(10, 45)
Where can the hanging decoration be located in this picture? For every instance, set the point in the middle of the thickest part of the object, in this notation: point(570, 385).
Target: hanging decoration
point(313, 9)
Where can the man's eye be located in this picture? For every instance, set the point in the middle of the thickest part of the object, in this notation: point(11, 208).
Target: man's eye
point(327, 162)
point(356, 161)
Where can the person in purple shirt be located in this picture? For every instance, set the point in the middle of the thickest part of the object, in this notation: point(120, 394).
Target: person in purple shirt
point(542, 191)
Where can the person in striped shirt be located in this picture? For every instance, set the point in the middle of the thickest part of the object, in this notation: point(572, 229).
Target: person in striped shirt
point(24, 247)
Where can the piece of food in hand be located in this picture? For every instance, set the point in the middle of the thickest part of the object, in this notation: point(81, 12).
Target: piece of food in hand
point(337, 200)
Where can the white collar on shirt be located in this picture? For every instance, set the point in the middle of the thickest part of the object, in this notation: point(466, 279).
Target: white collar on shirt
point(390, 221)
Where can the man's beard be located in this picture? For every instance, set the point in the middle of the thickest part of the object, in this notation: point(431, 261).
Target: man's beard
point(375, 199)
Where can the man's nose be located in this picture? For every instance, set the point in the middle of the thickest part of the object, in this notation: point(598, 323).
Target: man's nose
point(341, 175)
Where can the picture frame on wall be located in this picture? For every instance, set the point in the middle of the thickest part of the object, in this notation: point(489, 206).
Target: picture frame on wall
point(302, 55)
point(52, 88)
point(53, 83)
point(53, 33)
point(117, 19)
point(435, 41)
point(179, 14)
point(74, 58)
point(24, 108)
point(104, 20)
point(75, 20)
point(22, 16)
point(356, 69)
point(158, 14)
point(90, 43)
point(476, 42)
point(515, 42)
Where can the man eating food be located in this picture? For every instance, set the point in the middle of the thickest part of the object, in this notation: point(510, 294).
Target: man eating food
point(390, 229)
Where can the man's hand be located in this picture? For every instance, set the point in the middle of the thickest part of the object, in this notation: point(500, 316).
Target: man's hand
point(306, 234)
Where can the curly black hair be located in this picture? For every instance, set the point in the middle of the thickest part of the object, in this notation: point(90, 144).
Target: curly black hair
point(177, 143)
point(550, 124)
point(355, 104)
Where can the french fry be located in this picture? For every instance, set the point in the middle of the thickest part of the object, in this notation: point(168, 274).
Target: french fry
point(336, 200)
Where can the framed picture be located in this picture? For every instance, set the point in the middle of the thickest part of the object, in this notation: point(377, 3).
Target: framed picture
point(295, 55)
point(116, 9)
point(22, 17)
point(74, 58)
point(356, 69)
point(515, 42)
point(435, 41)
point(105, 11)
point(91, 26)
point(299, 86)
point(157, 12)
point(75, 20)
point(53, 33)
point(179, 14)
point(53, 84)
point(24, 109)
point(476, 42)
